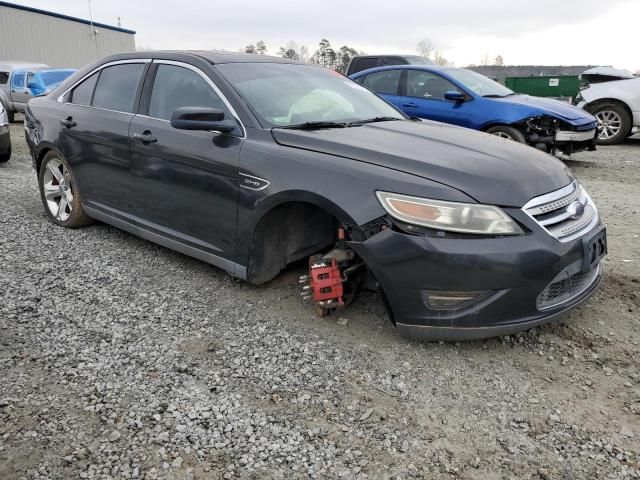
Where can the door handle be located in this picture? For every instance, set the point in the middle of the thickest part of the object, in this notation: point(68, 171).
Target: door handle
point(410, 105)
point(68, 122)
point(145, 137)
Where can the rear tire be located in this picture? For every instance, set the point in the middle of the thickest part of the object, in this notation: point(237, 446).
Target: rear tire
point(5, 157)
point(510, 133)
point(614, 122)
point(59, 193)
point(11, 115)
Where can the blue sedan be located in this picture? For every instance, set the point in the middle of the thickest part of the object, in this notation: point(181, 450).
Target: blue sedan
point(466, 98)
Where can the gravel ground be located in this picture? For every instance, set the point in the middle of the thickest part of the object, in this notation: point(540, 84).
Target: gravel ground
point(122, 359)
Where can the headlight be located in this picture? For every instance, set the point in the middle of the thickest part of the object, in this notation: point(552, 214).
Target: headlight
point(450, 216)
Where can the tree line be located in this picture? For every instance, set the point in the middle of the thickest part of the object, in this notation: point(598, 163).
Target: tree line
point(325, 55)
point(338, 59)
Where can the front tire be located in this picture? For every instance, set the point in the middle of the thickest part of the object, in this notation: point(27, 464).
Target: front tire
point(11, 115)
point(59, 193)
point(614, 122)
point(510, 133)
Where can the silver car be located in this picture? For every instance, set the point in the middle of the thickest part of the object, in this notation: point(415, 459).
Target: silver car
point(5, 138)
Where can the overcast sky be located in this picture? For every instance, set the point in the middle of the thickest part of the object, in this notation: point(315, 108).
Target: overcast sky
point(549, 32)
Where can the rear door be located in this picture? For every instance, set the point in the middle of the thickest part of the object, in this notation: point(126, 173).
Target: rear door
point(95, 133)
point(19, 93)
point(185, 182)
point(385, 84)
point(423, 97)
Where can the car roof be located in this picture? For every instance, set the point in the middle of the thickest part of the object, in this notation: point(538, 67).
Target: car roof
point(15, 65)
point(212, 56)
point(429, 68)
point(26, 70)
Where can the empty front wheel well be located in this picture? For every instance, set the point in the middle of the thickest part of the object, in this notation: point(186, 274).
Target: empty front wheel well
point(287, 233)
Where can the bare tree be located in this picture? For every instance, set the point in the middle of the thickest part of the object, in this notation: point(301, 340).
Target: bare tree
point(438, 58)
point(499, 61)
point(251, 48)
point(484, 60)
point(426, 47)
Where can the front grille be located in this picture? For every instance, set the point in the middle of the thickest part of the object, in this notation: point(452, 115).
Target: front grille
point(565, 213)
point(569, 284)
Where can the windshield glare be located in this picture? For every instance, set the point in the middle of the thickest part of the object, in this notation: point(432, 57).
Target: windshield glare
point(291, 94)
point(478, 83)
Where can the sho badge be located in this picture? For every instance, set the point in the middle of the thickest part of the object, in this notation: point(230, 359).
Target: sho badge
point(253, 183)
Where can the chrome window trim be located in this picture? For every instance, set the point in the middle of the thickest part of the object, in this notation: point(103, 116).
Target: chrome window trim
point(210, 83)
point(60, 98)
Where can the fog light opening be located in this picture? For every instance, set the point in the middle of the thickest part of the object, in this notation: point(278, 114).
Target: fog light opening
point(450, 299)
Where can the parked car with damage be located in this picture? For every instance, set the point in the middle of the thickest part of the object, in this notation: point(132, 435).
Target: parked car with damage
point(613, 97)
point(13, 92)
point(5, 136)
point(252, 163)
point(468, 99)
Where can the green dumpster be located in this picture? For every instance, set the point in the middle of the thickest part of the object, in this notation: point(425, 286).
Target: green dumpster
point(559, 86)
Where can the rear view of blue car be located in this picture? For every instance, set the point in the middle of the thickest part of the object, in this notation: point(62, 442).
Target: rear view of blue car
point(462, 97)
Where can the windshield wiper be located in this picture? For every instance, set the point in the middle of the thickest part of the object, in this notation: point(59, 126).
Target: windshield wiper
point(314, 125)
point(372, 120)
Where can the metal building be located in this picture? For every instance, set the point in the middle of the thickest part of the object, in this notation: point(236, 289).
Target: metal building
point(34, 35)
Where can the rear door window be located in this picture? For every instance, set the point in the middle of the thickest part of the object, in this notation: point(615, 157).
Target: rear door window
point(4, 78)
point(17, 81)
point(83, 93)
point(383, 82)
point(176, 87)
point(117, 86)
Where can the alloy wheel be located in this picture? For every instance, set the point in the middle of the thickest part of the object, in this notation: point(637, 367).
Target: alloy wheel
point(503, 135)
point(58, 190)
point(609, 124)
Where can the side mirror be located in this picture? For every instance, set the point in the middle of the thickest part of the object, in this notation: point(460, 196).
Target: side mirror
point(455, 96)
point(201, 118)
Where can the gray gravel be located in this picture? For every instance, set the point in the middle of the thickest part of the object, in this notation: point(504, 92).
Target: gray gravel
point(122, 359)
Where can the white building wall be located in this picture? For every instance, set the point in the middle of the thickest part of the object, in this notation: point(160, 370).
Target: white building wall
point(58, 42)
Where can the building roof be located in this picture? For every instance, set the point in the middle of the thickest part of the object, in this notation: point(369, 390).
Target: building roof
point(65, 17)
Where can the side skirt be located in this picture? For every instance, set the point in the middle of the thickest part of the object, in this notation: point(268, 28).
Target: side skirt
point(228, 266)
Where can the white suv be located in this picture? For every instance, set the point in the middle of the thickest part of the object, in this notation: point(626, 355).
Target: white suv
point(615, 103)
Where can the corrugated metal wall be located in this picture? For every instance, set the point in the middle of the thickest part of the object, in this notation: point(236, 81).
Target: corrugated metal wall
point(57, 42)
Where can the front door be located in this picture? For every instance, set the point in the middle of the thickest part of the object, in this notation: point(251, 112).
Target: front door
point(185, 183)
point(424, 97)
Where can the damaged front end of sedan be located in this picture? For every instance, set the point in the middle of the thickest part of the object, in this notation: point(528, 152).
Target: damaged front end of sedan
point(554, 136)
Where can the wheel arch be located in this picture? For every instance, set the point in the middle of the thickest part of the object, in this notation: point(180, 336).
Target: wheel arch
point(292, 225)
point(600, 101)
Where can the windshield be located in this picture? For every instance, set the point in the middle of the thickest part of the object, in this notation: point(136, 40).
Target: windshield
point(479, 84)
point(291, 94)
point(55, 77)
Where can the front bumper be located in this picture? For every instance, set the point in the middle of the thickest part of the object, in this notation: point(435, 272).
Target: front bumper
point(569, 142)
point(516, 270)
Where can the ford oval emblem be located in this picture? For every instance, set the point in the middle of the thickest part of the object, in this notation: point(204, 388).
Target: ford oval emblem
point(575, 210)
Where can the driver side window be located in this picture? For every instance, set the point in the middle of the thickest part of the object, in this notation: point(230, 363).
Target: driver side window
point(428, 85)
point(176, 87)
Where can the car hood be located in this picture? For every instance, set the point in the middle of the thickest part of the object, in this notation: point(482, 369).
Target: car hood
point(490, 169)
point(559, 109)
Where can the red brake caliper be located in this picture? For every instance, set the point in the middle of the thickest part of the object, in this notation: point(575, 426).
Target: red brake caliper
point(326, 283)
